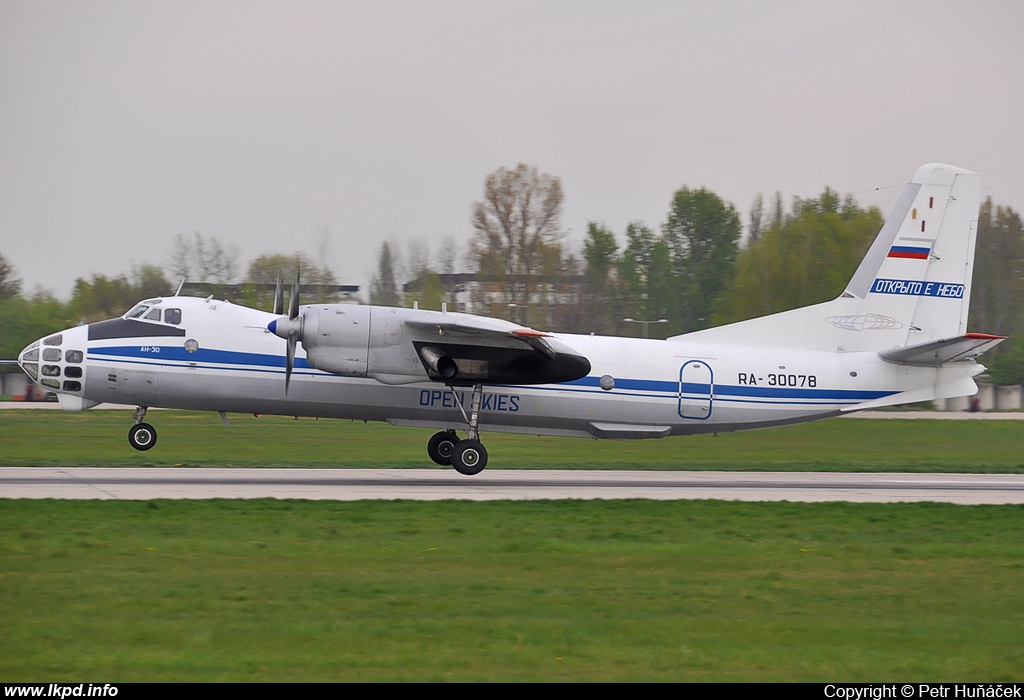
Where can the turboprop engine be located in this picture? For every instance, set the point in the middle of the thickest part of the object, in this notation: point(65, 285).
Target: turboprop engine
point(404, 346)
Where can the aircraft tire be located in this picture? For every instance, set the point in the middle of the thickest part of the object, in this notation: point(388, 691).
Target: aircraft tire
point(142, 436)
point(441, 446)
point(469, 457)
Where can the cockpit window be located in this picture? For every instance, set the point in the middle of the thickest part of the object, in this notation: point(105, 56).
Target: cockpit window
point(153, 315)
point(51, 354)
point(53, 340)
point(137, 311)
point(172, 316)
point(74, 356)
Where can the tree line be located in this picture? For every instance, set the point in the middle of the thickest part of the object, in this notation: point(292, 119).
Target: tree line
point(692, 271)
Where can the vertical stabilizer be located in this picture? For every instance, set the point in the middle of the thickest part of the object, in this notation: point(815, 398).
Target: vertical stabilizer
point(917, 273)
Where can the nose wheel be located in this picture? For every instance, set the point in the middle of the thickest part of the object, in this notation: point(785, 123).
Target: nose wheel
point(141, 436)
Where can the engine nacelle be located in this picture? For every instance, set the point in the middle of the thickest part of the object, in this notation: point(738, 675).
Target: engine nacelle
point(394, 346)
point(336, 338)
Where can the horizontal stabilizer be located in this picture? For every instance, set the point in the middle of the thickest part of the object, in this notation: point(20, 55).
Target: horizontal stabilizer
point(938, 352)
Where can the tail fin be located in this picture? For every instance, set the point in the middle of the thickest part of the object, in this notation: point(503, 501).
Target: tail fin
point(919, 268)
point(913, 285)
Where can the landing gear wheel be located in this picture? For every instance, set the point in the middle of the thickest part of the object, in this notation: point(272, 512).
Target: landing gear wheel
point(142, 436)
point(469, 457)
point(441, 446)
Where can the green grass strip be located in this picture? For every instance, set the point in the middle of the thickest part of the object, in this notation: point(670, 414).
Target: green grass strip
point(456, 591)
point(98, 438)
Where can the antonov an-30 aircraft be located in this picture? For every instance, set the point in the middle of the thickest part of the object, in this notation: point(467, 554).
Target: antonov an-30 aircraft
point(897, 334)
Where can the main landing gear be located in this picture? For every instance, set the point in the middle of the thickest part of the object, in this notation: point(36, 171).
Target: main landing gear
point(141, 436)
point(468, 456)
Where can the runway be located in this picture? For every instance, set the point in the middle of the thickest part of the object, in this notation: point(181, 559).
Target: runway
point(502, 484)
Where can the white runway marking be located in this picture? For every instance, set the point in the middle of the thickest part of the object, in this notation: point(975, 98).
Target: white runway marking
point(499, 484)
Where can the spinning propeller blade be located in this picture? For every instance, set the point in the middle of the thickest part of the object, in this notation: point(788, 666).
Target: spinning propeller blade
point(278, 297)
point(293, 307)
point(288, 328)
point(293, 334)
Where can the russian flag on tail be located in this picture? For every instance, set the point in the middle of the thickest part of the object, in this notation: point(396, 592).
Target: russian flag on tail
point(912, 252)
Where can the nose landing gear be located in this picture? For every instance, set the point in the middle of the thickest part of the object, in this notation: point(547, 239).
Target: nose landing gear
point(141, 436)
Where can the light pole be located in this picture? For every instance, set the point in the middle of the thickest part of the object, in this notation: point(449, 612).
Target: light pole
point(646, 323)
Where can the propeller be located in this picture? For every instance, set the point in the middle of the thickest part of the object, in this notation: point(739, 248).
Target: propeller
point(278, 297)
point(290, 329)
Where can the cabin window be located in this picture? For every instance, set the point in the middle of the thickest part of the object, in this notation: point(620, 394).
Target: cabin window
point(74, 356)
point(51, 370)
point(51, 354)
point(153, 315)
point(73, 372)
point(137, 311)
point(172, 316)
point(72, 386)
point(53, 340)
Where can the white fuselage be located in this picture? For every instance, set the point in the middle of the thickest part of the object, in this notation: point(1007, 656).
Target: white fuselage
point(221, 357)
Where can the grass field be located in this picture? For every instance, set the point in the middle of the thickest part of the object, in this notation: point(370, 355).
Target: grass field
point(558, 590)
point(98, 438)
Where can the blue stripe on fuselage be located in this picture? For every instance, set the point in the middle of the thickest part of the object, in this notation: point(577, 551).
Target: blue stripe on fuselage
point(655, 388)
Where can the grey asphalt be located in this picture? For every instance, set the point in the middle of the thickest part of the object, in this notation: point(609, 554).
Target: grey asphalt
point(499, 484)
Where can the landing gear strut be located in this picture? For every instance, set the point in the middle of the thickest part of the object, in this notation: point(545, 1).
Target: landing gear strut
point(467, 456)
point(141, 436)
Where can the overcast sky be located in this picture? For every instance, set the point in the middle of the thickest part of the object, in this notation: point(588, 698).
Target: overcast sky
point(266, 124)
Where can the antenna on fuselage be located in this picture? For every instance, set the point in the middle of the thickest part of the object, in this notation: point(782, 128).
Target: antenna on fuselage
point(180, 285)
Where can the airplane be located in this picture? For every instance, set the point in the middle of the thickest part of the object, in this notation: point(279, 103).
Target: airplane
point(897, 334)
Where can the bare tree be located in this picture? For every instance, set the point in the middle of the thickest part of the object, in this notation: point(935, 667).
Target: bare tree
point(203, 259)
point(515, 221)
point(447, 256)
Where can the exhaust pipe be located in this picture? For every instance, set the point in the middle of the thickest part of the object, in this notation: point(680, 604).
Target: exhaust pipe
point(439, 362)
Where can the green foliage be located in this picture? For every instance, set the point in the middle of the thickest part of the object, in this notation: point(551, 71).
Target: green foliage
point(150, 281)
point(9, 284)
point(24, 320)
point(265, 270)
point(802, 259)
point(601, 305)
point(997, 291)
point(702, 233)
point(384, 287)
point(1007, 367)
point(106, 297)
point(425, 290)
point(646, 271)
